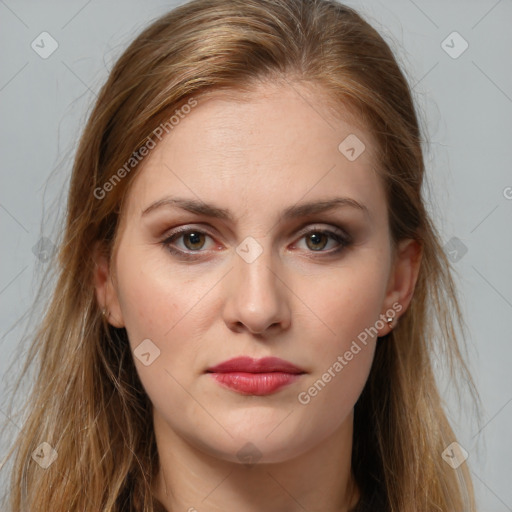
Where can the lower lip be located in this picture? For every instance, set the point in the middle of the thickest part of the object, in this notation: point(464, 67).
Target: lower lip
point(255, 383)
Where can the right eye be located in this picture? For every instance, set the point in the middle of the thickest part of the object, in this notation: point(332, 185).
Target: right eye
point(192, 241)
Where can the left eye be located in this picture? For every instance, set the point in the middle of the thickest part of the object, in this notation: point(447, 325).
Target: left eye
point(317, 240)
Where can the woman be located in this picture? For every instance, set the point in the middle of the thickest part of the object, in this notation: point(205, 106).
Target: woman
point(249, 282)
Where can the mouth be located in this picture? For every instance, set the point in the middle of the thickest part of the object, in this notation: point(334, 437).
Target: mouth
point(255, 376)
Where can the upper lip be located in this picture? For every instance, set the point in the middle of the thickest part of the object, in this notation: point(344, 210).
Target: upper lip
point(250, 365)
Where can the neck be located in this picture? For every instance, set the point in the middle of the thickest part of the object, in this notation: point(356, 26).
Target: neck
point(318, 480)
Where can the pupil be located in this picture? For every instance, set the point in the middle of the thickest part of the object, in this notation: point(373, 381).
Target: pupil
point(316, 237)
point(194, 238)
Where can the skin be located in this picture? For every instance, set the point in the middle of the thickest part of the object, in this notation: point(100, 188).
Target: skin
point(255, 156)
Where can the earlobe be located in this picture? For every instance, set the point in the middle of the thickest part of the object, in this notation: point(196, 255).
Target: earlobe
point(106, 293)
point(402, 282)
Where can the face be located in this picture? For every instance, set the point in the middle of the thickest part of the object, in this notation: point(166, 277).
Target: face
point(227, 248)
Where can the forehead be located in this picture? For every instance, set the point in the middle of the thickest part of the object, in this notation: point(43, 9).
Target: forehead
point(273, 144)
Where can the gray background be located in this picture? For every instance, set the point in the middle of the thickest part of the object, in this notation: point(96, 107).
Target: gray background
point(466, 102)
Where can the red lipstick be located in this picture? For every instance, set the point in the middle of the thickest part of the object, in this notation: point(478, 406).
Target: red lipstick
point(255, 376)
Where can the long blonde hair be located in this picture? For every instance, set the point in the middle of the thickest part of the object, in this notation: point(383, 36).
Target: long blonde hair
point(87, 401)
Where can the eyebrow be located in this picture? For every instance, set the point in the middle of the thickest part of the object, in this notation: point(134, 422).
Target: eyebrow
point(292, 212)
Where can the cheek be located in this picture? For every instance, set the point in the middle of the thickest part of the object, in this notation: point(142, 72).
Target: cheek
point(171, 308)
point(349, 307)
point(330, 396)
point(345, 303)
point(156, 308)
point(157, 299)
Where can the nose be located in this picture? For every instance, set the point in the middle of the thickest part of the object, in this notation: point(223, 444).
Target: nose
point(257, 296)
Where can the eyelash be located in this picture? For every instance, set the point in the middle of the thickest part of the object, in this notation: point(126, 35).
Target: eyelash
point(344, 241)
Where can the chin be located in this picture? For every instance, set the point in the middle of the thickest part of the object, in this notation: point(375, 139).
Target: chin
point(250, 445)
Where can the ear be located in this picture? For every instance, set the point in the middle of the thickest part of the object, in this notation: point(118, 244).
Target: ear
point(106, 293)
point(402, 281)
